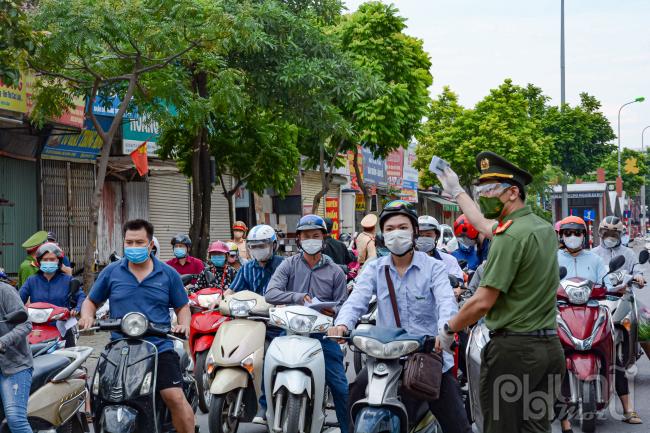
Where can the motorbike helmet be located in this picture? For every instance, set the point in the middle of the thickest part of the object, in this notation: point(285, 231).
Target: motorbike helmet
point(218, 247)
point(240, 225)
point(572, 223)
point(156, 247)
point(261, 233)
point(427, 222)
point(398, 207)
point(329, 223)
point(611, 224)
point(462, 227)
point(233, 248)
point(182, 238)
point(311, 222)
point(49, 247)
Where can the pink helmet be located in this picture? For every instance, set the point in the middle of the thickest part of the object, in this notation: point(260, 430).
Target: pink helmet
point(218, 247)
point(557, 226)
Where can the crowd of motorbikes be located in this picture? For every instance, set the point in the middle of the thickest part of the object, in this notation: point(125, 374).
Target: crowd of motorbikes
point(227, 361)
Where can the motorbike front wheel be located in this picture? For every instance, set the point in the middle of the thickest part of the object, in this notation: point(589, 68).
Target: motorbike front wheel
point(588, 407)
point(219, 419)
point(202, 381)
point(291, 417)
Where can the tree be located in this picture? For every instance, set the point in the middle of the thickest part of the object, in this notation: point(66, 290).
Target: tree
point(506, 122)
point(582, 136)
point(634, 169)
point(110, 48)
point(389, 114)
point(16, 39)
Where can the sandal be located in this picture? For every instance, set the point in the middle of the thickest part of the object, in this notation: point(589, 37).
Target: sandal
point(632, 418)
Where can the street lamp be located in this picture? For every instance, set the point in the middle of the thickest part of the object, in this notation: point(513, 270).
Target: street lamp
point(639, 99)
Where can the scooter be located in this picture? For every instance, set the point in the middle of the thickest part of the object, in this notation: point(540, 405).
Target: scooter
point(625, 312)
point(124, 385)
point(44, 317)
point(57, 396)
point(382, 410)
point(294, 372)
point(235, 361)
point(203, 327)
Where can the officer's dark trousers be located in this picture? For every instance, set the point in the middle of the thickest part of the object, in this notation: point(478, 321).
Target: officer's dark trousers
point(448, 409)
point(520, 381)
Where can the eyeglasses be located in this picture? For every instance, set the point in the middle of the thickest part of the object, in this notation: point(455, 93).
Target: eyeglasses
point(492, 189)
point(572, 233)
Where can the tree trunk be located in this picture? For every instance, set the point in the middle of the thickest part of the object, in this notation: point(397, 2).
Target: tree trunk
point(364, 189)
point(206, 191)
point(197, 196)
point(107, 140)
point(324, 181)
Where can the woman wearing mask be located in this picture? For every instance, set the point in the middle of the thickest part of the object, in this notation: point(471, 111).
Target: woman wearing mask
point(467, 236)
point(222, 273)
point(50, 284)
point(610, 231)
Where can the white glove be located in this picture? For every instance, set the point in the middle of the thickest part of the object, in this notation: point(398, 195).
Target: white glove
point(450, 183)
point(444, 340)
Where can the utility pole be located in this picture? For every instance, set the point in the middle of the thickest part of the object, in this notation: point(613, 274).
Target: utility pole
point(565, 192)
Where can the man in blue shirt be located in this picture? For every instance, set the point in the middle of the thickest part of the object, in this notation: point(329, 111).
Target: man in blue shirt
point(425, 302)
point(141, 283)
point(50, 284)
point(255, 275)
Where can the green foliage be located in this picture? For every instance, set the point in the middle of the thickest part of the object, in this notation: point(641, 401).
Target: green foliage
point(503, 122)
point(581, 136)
point(16, 40)
point(631, 181)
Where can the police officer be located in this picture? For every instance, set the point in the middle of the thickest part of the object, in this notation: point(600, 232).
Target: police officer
point(517, 296)
point(29, 265)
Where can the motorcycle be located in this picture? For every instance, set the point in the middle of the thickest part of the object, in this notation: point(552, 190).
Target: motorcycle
point(203, 327)
point(625, 312)
point(382, 410)
point(57, 395)
point(124, 385)
point(235, 361)
point(44, 317)
point(294, 371)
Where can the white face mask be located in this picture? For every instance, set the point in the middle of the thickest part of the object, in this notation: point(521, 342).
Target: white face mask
point(399, 242)
point(611, 242)
point(425, 244)
point(261, 254)
point(311, 246)
point(573, 242)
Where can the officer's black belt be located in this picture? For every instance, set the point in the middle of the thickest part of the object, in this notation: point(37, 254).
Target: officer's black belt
point(538, 333)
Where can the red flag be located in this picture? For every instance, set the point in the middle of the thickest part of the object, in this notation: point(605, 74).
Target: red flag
point(139, 157)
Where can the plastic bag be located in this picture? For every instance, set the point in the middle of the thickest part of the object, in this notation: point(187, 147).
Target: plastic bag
point(644, 323)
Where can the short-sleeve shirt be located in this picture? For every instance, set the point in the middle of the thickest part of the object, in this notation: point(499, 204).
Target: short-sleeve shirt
point(192, 266)
point(159, 291)
point(522, 265)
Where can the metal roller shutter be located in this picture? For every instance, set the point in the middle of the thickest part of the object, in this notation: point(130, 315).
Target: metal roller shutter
point(169, 209)
point(219, 219)
point(311, 185)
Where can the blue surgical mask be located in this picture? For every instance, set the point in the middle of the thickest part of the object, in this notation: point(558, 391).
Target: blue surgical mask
point(180, 253)
point(218, 261)
point(49, 267)
point(136, 255)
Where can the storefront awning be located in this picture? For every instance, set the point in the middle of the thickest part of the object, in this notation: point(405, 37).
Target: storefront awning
point(446, 204)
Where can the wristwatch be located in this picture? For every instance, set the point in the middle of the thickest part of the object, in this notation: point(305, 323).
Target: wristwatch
point(448, 330)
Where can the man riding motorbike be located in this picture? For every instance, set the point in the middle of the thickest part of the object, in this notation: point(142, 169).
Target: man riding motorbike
point(182, 261)
point(50, 284)
point(142, 283)
point(467, 237)
point(262, 244)
point(312, 274)
point(425, 302)
point(610, 231)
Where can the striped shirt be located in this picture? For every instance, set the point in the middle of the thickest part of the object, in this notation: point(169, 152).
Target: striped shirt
point(252, 276)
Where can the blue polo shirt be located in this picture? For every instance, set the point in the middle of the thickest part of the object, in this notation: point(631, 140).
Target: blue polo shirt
point(56, 291)
point(161, 290)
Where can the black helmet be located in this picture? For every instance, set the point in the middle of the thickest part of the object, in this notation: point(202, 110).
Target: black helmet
point(398, 207)
point(182, 239)
point(330, 224)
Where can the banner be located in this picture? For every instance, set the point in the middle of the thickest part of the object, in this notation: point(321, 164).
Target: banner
point(394, 168)
point(14, 98)
point(359, 203)
point(353, 174)
point(332, 211)
point(374, 169)
point(410, 176)
point(74, 117)
point(85, 146)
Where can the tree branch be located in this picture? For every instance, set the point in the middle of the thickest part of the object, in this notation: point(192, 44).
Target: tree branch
point(58, 75)
point(166, 61)
point(91, 114)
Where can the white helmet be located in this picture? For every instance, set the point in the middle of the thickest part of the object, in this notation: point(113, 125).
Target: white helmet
point(427, 222)
point(262, 242)
point(261, 233)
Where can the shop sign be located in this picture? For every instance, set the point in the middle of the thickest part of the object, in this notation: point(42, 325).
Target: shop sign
point(14, 98)
point(394, 168)
point(410, 176)
point(374, 169)
point(359, 203)
point(409, 191)
point(332, 211)
point(73, 117)
point(136, 131)
point(85, 146)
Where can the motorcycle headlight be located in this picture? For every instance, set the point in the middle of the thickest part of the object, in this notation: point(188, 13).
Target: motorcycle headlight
point(241, 308)
point(39, 315)
point(208, 301)
point(301, 324)
point(392, 350)
point(578, 294)
point(134, 324)
point(146, 384)
point(96, 384)
point(277, 320)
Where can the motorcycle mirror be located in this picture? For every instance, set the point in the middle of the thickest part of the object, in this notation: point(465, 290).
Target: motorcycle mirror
point(187, 279)
point(462, 263)
point(18, 316)
point(616, 263)
point(453, 281)
point(644, 256)
point(563, 272)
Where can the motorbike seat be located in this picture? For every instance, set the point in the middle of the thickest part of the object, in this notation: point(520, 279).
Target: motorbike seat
point(38, 346)
point(45, 368)
point(386, 335)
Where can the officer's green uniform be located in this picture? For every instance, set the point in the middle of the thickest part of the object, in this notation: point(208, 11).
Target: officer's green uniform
point(29, 267)
point(522, 265)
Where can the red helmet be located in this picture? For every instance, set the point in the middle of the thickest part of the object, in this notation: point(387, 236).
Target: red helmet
point(218, 247)
point(462, 227)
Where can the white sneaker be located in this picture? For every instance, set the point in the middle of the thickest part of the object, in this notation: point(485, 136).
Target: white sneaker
point(260, 417)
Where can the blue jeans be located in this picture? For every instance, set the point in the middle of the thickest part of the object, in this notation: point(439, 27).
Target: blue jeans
point(14, 392)
point(336, 380)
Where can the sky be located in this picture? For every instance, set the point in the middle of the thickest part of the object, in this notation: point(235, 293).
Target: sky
point(475, 44)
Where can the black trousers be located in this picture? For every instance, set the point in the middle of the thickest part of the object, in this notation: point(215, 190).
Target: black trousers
point(449, 409)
